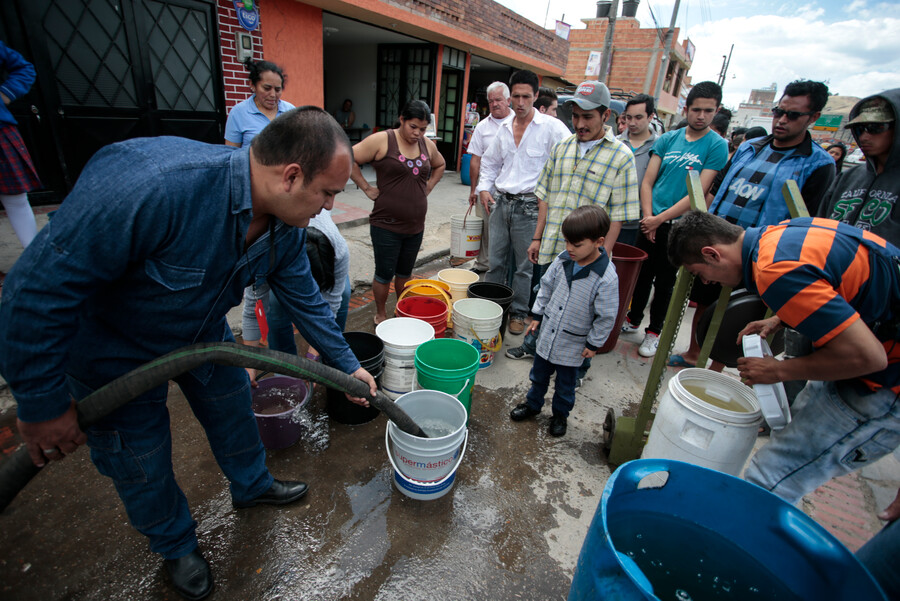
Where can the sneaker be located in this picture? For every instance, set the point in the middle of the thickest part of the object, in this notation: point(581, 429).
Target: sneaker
point(628, 327)
point(578, 383)
point(649, 345)
point(519, 352)
point(516, 325)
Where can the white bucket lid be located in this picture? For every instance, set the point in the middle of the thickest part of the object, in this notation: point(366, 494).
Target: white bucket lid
point(772, 397)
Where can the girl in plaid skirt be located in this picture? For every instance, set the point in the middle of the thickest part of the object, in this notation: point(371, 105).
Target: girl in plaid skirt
point(17, 174)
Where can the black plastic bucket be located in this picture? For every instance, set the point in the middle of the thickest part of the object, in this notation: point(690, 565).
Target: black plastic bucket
point(499, 293)
point(369, 351)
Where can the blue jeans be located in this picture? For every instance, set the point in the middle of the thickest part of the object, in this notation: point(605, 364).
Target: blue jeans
point(281, 328)
point(880, 554)
point(564, 391)
point(341, 317)
point(133, 447)
point(836, 429)
point(512, 227)
point(657, 273)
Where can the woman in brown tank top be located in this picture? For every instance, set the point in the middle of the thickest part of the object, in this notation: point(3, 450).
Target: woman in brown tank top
point(407, 168)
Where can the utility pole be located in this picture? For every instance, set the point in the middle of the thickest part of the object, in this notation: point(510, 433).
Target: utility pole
point(664, 62)
point(608, 43)
point(726, 61)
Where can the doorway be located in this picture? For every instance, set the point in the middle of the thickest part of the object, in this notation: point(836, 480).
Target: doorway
point(110, 71)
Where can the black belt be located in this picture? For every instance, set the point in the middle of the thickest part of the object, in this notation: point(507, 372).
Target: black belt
point(525, 196)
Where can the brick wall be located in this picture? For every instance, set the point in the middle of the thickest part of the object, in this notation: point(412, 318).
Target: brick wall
point(634, 54)
point(482, 27)
point(235, 75)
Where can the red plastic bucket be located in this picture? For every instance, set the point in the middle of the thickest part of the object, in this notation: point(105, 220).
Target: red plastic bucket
point(426, 308)
point(627, 260)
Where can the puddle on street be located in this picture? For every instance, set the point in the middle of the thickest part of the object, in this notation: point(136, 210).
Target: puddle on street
point(354, 536)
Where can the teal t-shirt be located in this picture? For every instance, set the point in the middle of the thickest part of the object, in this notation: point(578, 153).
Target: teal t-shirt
point(678, 158)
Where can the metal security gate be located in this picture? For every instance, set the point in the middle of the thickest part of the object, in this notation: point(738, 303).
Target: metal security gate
point(405, 72)
point(110, 70)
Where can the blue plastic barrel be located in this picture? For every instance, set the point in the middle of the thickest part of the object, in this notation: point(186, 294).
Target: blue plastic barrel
point(464, 167)
point(670, 530)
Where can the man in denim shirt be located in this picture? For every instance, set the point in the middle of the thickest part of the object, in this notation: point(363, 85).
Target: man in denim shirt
point(149, 251)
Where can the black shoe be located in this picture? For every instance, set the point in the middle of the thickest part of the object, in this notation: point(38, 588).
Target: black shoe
point(557, 425)
point(190, 575)
point(519, 352)
point(281, 493)
point(478, 271)
point(522, 411)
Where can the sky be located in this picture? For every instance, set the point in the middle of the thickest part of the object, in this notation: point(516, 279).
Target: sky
point(853, 46)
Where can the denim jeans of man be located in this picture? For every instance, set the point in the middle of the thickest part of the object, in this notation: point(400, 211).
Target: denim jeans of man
point(133, 447)
point(880, 554)
point(529, 343)
point(836, 428)
point(281, 329)
point(563, 390)
point(482, 261)
point(656, 273)
point(512, 227)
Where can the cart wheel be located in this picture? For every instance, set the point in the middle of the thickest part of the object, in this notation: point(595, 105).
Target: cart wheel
point(609, 430)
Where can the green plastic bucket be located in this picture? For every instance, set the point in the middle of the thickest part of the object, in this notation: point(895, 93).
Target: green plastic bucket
point(448, 365)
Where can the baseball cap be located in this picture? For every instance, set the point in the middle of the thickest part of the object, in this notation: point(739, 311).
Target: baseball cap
point(874, 110)
point(591, 95)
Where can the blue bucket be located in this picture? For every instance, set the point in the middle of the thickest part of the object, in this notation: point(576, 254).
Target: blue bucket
point(670, 530)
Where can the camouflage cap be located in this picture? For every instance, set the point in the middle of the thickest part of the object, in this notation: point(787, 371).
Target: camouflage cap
point(874, 110)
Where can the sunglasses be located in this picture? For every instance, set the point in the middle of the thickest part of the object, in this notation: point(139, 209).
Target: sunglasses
point(870, 128)
point(791, 115)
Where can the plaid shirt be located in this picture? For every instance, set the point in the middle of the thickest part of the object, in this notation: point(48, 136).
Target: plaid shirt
point(605, 176)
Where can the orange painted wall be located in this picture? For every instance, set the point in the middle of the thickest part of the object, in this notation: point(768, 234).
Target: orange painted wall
point(292, 39)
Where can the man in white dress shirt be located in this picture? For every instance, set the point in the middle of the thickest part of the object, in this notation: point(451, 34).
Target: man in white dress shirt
point(512, 165)
point(485, 131)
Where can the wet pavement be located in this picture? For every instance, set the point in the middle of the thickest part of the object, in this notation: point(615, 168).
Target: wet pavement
point(511, 527)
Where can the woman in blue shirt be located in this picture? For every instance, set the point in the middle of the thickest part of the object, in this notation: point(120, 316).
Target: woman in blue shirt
point(249, 117)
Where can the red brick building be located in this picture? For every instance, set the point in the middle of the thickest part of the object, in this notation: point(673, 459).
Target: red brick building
point(112, 71)
point(635, 61)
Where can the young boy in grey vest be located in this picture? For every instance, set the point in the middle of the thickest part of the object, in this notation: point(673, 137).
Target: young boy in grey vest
point(577, 303)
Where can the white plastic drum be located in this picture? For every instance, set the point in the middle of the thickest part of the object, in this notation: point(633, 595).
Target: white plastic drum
point(707, 419)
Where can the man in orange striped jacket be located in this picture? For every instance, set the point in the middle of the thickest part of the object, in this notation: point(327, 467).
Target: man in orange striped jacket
point(840, 287)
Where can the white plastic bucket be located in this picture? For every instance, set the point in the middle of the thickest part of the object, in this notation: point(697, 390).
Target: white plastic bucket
point(477, 321)
point(458, 280)
point(425, 468)
point(691, 429)
point(465, 236)
point(401, 336)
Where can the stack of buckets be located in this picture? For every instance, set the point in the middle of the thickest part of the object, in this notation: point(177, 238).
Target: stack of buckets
point(448, 365)
point(425, 468)
point(476, 321)
point(458, 281)
point(433, 310)
point(369, 351)
point(499, 293)
point(401, 337)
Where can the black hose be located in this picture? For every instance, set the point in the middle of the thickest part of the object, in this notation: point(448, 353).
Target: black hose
point(18, 469)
